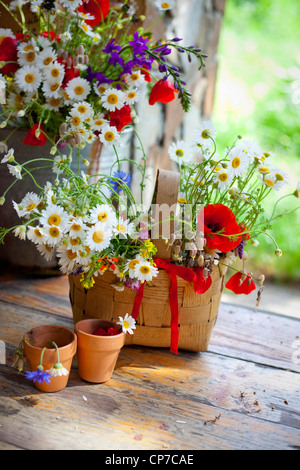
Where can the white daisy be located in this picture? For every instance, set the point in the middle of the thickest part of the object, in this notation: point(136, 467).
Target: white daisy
point(36, 235)
point(250, 149)
point(99, 122)
point(205, 132)
point(54, 73)
point(27, 46)
point(296, 193)
point(59, 160)
point(29, 203)
point(127, 323)
point(76, 227)
point(222, 178)
point(131, 265)
point(144, 271)
point(123, 228)
point(46, 57)
point(83, 109)
point(135, 78)
point(109, 136)
point(20, 232)
point(54, 104)
point(180, 151)
point(6, 33)
point(84, 255)
point(164, 6)
point(53, 234)
point(66, 259)
point(28, 78)
point(104, 214)
point(55, 216)
point(238, 163)
point(98, 237)
point(113, 99)
point(76, 121)
point(46, 251)
point(15, 170)
point(280, 178)
point(133, 96)
point(84, 16)
point(58, 370)
point(86, 28)
point(71, 5)
point(100, 88)
point(78, 89)
point(28, 58)
point(9, 157)
point(52, 90)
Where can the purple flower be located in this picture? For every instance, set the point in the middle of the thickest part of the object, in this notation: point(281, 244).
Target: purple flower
point(111, 47)
point(115, 59)
point(133, 284)
point(240, 248)
point(38, 376)
point(139, 44)
point(100, 77)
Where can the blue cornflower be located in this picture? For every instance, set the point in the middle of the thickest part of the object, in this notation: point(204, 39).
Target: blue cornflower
point(38, 376)
point(121, 175)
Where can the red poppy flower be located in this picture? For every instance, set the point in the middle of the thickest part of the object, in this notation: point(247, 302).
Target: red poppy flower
point(216, 218)
point(162, 91)
point(99, 9)
point(8, 53)
point(239, 286)
point(31, 139)
point(201, 284)
point(120, 117)
point(146, 74)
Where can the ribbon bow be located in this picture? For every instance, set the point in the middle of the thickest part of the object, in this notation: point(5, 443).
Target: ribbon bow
point(195, 276)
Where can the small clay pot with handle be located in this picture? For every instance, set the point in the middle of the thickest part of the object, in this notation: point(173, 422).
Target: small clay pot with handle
point(97, 355)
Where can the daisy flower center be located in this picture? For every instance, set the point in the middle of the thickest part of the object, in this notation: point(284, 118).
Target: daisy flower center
point(54, 232)
point(28, 48)
point(55, 73)
point(76, 227)
point(109, 136)
point(132, 94)
point(76, 121)
point(181, 200)
point(78, 90)
point(71, 254)
point(113, 98)
point(121, 228)
point(205, 134)
point(125, 324)
point(145, 269)
point(101, 89)
point(98, 236)
point(38, 233)
point(54, 219)
point(82, 109)
point(29, 78)
point(99, 122)
point(54, 102)
point(236, 162)
point(48, 248)
point(134, 76)
point(179, 153)
point(74, 241)
point(54, 87)
point(84, 253)
point(133, 263)
point(279, 177)
point(269, 182)
point(102, 216)
point(264, 170)
point(31, 206)
point(223, 177)
point(165, 5)
point(48, 60)
point(30, 57)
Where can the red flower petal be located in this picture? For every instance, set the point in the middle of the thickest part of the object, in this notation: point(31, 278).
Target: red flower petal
point(162, 91)
point(8, 53)
point(236, 285)
point(202, 284)
point(113, 331)
point(31, 139)
point(120, 117)
point(215, 218)
point(99, 9)
point(100, 332)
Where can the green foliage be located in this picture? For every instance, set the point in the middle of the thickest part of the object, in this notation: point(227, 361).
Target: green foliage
point(258, 96)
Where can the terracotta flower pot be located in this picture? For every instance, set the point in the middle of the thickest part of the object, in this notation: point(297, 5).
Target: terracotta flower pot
point(37, 339)
point(97, 355)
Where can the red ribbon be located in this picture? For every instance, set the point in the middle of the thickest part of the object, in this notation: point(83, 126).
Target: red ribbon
point(195, 276)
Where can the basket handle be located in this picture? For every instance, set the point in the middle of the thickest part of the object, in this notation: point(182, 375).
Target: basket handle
point(164, 201)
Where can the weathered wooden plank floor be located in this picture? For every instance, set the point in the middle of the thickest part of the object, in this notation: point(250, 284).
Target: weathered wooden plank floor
point(243, 393)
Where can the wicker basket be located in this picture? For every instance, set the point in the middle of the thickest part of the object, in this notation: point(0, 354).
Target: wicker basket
point(197, 312)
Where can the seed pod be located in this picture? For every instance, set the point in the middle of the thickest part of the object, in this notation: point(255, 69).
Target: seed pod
point(200, 261)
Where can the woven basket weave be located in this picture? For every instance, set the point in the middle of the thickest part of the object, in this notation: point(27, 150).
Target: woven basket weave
point(197, 312)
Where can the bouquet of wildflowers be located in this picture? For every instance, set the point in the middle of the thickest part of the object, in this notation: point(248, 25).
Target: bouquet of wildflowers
point(78, 77)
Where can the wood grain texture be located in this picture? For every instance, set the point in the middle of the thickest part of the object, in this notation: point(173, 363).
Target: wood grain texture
point(243, 393)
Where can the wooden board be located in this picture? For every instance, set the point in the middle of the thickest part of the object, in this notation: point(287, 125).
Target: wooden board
point(241, 394)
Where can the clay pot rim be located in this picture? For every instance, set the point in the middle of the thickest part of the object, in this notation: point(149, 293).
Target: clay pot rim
point(61, 348)
point(106, 338)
